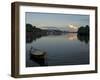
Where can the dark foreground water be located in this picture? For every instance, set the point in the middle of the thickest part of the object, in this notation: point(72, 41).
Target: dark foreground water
point(66, 49)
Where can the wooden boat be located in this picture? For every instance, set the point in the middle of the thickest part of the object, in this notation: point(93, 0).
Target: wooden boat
point(36, 53)
point(39, 60)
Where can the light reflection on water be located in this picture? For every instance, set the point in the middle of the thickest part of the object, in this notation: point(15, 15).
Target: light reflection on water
point(66, 49)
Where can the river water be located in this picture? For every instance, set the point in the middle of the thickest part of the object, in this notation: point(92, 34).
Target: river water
point(66, 49)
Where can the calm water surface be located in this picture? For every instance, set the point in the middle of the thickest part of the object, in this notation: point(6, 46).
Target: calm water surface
point(66, 49)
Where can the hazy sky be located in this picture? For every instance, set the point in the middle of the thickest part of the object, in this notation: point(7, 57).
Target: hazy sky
point(56, 20)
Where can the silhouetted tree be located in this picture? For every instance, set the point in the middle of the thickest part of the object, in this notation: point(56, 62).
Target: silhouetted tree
point(87, 29)
point(83, 30)
point(29, 28)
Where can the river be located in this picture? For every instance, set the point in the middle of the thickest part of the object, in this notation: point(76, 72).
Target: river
point(66, 49)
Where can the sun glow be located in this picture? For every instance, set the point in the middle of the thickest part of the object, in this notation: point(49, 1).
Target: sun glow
point(72, 26)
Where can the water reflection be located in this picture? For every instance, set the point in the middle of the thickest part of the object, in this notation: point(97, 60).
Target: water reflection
point(58, 49)
point(71, 36)
point(30, 37)
point(83, 38)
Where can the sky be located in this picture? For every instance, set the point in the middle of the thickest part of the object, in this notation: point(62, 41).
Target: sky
point(60, 21)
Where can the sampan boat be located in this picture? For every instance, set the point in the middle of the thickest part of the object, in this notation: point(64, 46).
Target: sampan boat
point(36, 53)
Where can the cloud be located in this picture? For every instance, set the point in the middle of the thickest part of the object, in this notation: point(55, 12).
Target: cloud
point(73, 27)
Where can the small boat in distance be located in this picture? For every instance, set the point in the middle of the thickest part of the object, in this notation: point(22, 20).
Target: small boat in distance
point(37, 53)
